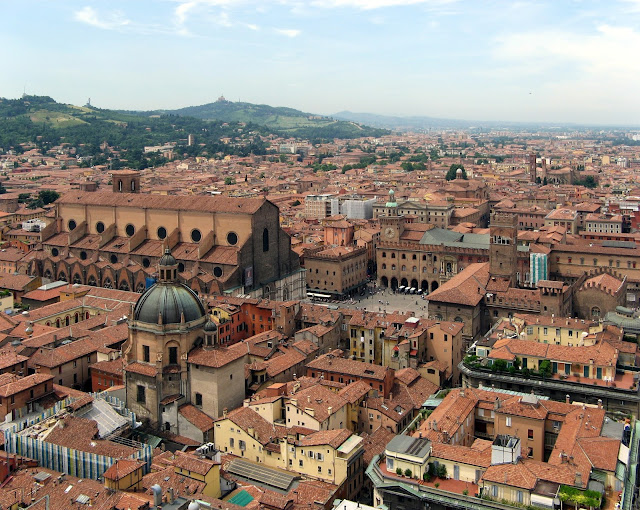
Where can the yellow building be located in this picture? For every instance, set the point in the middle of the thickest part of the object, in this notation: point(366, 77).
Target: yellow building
point(203, 470)
point(556, 330)
point(408, 456)
point(333, 456)
point(124, 475)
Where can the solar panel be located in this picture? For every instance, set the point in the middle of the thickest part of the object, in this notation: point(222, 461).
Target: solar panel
point(261, 474)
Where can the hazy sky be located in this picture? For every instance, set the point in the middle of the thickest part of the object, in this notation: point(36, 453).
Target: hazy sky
point(555, 60)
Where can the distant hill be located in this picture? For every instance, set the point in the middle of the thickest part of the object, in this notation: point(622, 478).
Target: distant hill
point(424, 123)
point(287, 121)
point(402, 123)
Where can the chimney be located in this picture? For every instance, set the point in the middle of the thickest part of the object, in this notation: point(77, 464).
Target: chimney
point(171, 496)
point(567, 399)
point(496, 404)
point(462, 392)
point(308, 399)
point(224, 412)
point(599, 403)
point(157, 495)
point(329, 409)
point(578, 480)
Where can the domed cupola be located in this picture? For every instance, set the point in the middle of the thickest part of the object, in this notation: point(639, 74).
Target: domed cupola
point(168, 301)
point(210, 333)
point(167, 267)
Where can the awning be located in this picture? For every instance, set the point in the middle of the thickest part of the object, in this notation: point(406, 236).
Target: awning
point(413, 352)
point(396, 348)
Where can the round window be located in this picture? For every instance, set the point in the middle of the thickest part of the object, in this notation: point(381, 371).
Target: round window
point(196, 235)
point(130, 229)
point(55, 252)
point(162, 232)
point(217, 271)
point(72, 225)
point(146, 262)
point(100, 227)
point(232, 238)
point(113, 259)
point(83, 255)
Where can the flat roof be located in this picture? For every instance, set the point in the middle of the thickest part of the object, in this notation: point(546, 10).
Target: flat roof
point(407, 445)
point(260, 473)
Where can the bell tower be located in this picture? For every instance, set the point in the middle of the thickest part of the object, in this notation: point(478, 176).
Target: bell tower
point(391, 224)
point(503, 252)
point(125, 181)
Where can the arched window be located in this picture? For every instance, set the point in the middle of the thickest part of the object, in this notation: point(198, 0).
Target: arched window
point(133, 185)
point(265, 239)
point(595, 312)
point(384, 266)
point(384, 254)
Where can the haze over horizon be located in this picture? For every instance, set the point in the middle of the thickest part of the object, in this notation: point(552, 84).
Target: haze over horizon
point(526, 61)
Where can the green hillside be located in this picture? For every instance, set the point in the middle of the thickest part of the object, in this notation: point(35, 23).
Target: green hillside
point(45, 123)
point(287, 121)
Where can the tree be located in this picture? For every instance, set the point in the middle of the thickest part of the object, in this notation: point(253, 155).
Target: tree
point(48, 196)
point(453, 170)
point(545, 368)
point(229, 180)
point(589, 182)
point(499, 365)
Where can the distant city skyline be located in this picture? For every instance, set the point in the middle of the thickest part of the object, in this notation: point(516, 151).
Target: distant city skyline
point(525, 61)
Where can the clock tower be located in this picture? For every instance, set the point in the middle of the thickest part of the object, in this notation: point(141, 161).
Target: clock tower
point(392, 224)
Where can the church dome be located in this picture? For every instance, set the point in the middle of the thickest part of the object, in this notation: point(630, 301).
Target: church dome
point(172, 300)
point(210, 326)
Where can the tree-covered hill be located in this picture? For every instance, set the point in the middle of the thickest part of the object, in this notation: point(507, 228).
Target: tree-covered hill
point(283, 120)
point(44, 122)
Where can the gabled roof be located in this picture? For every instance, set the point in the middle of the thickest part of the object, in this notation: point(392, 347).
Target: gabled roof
point(466, 288)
